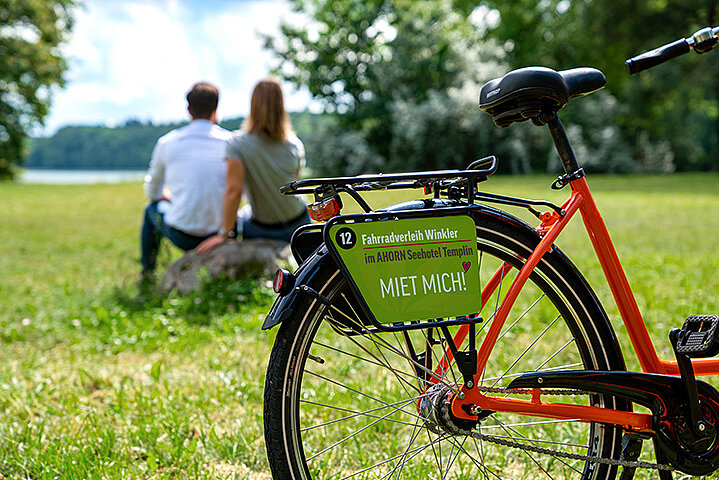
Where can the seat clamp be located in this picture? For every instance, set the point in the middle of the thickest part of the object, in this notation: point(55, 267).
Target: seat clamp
point(564, 180)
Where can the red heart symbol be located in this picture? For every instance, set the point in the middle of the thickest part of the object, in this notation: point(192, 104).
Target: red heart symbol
point(466, 266)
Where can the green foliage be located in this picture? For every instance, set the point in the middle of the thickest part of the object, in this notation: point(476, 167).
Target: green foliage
point(445, 131)
point(398, 72)
point(359, 57)
point(30, 33)
point(335, 151)
point(670, 111)
point(98, 148)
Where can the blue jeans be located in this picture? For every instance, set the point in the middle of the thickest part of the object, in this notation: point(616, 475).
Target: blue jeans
point(282, 232)
point(153, 229)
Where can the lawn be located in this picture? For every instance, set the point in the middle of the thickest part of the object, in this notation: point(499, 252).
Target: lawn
point(102, 382)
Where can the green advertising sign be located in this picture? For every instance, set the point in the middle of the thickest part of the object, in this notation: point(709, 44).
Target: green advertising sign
point(412, 269)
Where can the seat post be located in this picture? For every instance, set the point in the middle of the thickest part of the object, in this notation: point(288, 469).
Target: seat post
point(561, 142)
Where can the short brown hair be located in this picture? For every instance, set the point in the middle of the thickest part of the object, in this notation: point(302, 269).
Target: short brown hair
point(202, 100)
point(267, 111)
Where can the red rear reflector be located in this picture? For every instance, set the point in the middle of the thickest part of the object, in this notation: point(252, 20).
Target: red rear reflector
point(277, 283)
point(323, 210)
point(284, 282)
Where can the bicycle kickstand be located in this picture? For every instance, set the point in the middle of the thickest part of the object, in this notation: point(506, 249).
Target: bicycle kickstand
point(662, 460)
point(631, 448)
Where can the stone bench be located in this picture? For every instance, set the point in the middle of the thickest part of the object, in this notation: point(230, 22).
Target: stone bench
point(255, 258)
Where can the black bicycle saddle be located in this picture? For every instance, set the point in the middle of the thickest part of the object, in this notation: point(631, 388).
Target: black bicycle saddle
point(536, 93)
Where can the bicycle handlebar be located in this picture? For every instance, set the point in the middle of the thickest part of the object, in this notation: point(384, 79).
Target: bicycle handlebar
point(658, 55)
point(702, 41)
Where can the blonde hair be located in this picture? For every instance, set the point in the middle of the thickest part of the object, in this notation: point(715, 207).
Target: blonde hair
point(267, 111)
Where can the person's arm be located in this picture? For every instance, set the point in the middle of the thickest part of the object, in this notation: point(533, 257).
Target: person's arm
point(155, 178)
point(301, 158)
point(230, 204)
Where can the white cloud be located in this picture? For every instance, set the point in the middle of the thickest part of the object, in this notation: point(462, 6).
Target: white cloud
point(138, 58)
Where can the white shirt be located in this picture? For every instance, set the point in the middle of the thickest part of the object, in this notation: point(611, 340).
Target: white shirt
point(190, 163)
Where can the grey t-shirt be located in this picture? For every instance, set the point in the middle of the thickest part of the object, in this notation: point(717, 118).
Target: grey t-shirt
point(269, 165)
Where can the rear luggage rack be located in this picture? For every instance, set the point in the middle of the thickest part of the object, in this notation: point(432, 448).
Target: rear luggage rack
point(458, 185)
point(477, 171)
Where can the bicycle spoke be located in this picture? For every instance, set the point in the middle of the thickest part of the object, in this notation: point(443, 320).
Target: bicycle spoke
point(452, 459)
point(538, 422)
point(355, 391)
point(521, 356)
point(509, 328)
point(377, 341)
point(561, 349)
point(385, 363)
point(378, 363)
point(353, 434)
point(366, 413)
point(534, 460)
point(524, 438)
point(402, 461)
point(415, 451)
point(559, 367)
point(534, 440)
point(439, 360)
point(484, 468)
point(372, 337)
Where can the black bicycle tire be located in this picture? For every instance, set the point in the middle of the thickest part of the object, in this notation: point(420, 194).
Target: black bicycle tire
point(595, 339)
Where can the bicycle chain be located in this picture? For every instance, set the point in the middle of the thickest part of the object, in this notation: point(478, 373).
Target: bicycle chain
point(542, 450)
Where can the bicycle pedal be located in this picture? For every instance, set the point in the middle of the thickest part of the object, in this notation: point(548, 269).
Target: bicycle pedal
point(699, 336)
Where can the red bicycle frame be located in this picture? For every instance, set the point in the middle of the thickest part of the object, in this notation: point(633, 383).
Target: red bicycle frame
point(580, 200)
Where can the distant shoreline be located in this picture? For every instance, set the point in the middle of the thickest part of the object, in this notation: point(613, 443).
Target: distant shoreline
point(78, 177)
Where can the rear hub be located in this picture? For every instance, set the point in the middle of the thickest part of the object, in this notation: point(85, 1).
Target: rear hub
point(434, 408)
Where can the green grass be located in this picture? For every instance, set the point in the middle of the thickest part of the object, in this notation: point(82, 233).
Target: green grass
point(98, 383)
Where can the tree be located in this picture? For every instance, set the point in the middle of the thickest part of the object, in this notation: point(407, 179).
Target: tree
point(129, 146)
point(359, 57)
point(676, 102)
point(406, 74)
point(31, 32)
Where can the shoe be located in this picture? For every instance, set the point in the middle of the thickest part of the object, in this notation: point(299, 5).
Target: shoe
point(147, 280)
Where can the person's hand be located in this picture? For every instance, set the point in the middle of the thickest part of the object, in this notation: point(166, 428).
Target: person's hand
point(209, 243)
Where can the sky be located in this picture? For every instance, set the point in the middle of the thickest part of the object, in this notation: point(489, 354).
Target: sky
point(136, 59)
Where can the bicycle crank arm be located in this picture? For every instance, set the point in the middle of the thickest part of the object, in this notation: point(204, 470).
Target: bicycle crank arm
point(696, 453)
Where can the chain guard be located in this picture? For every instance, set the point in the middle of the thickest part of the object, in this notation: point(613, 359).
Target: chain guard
point(665, 396)
point(438, 418)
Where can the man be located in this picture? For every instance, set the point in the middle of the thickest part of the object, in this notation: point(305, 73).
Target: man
point(186, 180)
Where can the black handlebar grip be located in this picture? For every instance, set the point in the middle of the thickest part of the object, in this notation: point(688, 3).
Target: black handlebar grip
point(654, 57)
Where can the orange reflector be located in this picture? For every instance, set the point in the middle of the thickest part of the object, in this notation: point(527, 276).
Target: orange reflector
point(323, 210)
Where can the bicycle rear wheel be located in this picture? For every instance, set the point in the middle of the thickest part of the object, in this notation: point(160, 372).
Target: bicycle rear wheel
point(339, 404)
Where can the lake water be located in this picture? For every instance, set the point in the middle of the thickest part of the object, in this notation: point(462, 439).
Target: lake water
point(84, 177)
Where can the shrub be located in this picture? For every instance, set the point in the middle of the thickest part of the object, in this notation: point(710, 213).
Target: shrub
point(333, 150)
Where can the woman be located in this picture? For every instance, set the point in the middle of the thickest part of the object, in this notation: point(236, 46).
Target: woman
point(264, 155)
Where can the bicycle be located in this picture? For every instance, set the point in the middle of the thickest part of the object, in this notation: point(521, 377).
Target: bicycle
point(414, 340)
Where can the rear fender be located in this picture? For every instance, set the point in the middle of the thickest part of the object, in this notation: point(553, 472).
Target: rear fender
point(305, 241)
